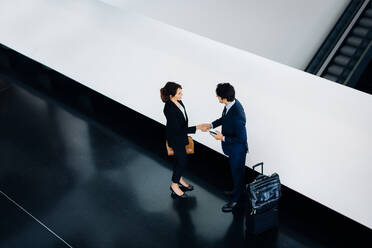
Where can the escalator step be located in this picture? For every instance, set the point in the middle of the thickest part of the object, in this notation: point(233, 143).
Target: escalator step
point(360, 31)
point(330, 77)
point(348, 50)
point(354, 41)
point(366, 22)
point(342, 60)
point(336, 70)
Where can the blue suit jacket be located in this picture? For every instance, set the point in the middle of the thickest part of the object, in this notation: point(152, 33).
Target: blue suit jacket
point(233, 128)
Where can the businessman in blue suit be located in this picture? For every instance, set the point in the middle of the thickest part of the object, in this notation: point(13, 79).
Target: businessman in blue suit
point(233, 137)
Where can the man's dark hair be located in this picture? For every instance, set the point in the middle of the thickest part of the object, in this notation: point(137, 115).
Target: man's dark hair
point(226, 90)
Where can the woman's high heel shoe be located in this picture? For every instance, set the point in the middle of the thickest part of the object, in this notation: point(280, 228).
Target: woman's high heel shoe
point(174, 195)
point(184, 188)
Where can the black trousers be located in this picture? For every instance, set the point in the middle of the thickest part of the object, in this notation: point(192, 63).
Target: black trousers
point(237, 165)
point(180, 164)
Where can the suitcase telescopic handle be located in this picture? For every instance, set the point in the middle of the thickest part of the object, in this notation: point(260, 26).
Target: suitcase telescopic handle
point(259, 164)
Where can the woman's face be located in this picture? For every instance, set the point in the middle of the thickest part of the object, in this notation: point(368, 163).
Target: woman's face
point(178, 95)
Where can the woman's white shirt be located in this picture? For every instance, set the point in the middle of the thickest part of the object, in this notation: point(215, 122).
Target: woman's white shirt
point(182, 110)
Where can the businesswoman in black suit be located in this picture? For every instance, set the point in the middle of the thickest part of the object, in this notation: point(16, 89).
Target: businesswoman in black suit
point(176, 133)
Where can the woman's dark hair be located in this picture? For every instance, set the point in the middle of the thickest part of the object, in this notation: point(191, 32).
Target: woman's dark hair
point(226, 90)
point(170, 89)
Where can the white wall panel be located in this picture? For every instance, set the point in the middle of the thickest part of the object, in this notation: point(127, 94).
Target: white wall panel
point(286, 31)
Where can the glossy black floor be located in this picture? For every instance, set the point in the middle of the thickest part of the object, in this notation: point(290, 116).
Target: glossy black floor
point(95, 174)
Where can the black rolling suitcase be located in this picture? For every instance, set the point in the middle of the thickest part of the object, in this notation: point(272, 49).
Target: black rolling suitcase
point(262, 200)
point(262, 222)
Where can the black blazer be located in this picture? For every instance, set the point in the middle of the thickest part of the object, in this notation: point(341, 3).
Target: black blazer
point(177, 126)
point(233, 128)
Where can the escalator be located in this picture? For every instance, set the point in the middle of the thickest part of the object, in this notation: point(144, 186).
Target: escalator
point(346, 54)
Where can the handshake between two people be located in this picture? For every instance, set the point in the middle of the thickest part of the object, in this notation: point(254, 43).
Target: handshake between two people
point(206, 127)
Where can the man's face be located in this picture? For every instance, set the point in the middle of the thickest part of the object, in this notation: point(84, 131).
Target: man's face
point(219, 99)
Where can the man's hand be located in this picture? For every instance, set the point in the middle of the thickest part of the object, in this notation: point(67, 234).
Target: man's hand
point(204, 127)
point(217, 136)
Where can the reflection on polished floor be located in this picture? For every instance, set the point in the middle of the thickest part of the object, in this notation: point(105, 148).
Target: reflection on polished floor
point(91, 185)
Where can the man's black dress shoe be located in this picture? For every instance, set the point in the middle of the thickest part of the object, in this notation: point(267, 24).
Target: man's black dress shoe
point(228, 207)
point(175, 196)
point(184, 188)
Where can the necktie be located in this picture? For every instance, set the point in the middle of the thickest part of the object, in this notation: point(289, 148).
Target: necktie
point(224, 112)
